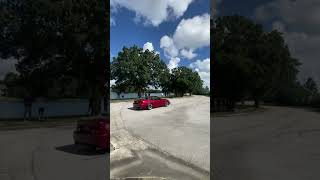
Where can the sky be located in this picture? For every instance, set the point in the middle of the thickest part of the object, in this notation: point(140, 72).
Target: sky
point(178, 30)
point(298, 20)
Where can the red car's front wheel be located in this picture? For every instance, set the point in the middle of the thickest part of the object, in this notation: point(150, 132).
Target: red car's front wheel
point(149, 106)
point(167, 104)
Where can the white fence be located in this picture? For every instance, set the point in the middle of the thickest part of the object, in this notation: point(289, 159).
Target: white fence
point(57, 108)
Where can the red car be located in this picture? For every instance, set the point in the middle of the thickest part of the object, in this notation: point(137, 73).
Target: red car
point(149, 103)
point(95, 133)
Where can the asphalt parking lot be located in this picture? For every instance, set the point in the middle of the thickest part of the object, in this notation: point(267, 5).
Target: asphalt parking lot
point(49, 154)
point(180, 131)
point(279, 143)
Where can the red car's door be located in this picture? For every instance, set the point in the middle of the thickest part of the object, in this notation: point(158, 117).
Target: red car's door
point(162, 102)
point(155, 102)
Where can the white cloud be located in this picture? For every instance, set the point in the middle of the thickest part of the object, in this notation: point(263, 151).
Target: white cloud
point(203, 68)
point(149, 46)
point(173, 63)
point(112, 21)
point(300, 30)
point(279, 26)
point(291, 12)
point(169, 47)
point(112, 82)
point(153, 12)
point(193, 33)
point(190, 35)
point(189, 54)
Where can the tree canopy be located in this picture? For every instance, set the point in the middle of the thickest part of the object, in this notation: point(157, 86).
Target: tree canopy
point(54, 39)
point(248, 61)
point(136, 69)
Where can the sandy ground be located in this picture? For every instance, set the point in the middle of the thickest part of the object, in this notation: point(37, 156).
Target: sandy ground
point(181, 131)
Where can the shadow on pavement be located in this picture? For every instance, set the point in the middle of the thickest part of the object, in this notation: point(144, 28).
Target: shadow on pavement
point(81, 150)
point(133, 109)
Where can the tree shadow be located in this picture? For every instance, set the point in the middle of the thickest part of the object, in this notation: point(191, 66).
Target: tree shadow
point(82, 150)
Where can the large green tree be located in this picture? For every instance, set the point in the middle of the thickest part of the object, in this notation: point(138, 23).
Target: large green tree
point(54, 38)
point(137, 70)
point(184, 80)
point(249, 61)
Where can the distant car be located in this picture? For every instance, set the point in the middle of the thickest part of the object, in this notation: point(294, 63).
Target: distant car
point(149, 103)
point(95, 133)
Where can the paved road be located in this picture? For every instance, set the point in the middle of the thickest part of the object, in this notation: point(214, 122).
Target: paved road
point(280, 143)
point(181, 130)
point(48, 154)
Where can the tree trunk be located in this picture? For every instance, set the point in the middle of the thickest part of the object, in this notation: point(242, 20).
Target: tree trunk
point(96, 96)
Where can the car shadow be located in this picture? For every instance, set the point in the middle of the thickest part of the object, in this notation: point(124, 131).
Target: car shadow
point(81, 150)
point(133, 109)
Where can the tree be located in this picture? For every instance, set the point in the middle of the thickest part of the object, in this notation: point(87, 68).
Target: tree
point(311, 86)
point(184, 80)
point(249, 61)
point(55, 38)
point(136, 69)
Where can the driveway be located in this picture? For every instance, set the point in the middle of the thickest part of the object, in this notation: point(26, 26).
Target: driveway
point(279, 143)
point(182, 130)
point(48, 154)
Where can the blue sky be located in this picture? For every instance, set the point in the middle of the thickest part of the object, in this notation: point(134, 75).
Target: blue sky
point(298, 21)
point(137, 22)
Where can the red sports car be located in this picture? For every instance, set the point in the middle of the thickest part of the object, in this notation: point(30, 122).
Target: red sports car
point(95, 133)
point(151, 102)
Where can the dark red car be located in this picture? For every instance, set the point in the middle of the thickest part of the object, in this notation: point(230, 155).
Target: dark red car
point(95, 133)
point(151, 102)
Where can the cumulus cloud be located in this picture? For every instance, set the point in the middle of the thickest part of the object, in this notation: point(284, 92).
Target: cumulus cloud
point(300, 30)
point(112, 82)
point(153, 12)
point(203, 65)
point(193, 33)
point(190, 34)
point(112, 21)
point(189, 54)
point(149, 46)
point(279, 26)
point(167, 44)
point(291, 13)
point(203, 68)
point(173, 63)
